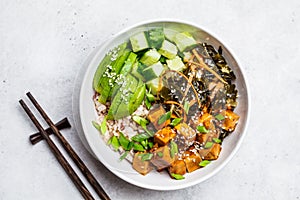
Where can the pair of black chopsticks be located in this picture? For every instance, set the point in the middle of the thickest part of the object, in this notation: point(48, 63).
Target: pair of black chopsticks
point(59, 156)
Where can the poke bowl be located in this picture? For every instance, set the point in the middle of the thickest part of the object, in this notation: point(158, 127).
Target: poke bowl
point(163, 100)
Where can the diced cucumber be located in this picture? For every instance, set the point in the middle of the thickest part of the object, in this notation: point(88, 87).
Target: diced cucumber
point(139, 42)
point(150, 57)
point(184, 41)
point(155, 37)
point(153, 85)
point(187, 56)
point(168, 49)
point(153, 71)
point(170, 34)
point(176, 64)
point(108, 60)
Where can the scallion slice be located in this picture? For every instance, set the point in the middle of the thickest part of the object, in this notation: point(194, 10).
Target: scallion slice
point(219, 117)
point(177, 176)
point(203, 163)
point(175, 121)
point(208, 145)
point(202, 129)
point(164, 118)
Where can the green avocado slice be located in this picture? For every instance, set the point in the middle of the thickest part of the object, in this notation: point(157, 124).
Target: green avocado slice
point(107, 60)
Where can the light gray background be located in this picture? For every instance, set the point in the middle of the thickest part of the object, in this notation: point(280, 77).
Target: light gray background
point(43, 44)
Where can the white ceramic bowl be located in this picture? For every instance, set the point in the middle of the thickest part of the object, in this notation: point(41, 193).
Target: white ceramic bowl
point(155, 180)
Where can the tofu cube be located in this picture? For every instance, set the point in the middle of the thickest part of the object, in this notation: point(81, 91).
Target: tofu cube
point(154, 114)
point(163, 136)
point(177, 167)
point(162, 158)
point(214, 152)
point(192, 160)
point(143, 167)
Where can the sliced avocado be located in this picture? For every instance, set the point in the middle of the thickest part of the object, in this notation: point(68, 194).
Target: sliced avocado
point(128, 63)
point(184, 41)
point(150, 57)
point(120, 103)
point(138, 97)
point(108, 79)
point(137, 70)
point(107, 60)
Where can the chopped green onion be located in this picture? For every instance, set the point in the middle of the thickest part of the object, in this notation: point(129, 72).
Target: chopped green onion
point(175, 121)
point(145, 143)
point(177, 176)
point(125, 143)
point(109, 141)
point(217, 140)
point(204, 163)
point(150, 144)
point(140, 137)
point(148, 104)
point(173, 148)
point(139, 120)
point(160, 154)
point(115, 142)
point(146, 156)
point(138, 147)
point(202, 129)
point(103, 126)
point(186, 107)
point(124, 155)
point(208, 145)
point(96, 125)
point(164, 118)
point(150, 97)
point(219, 117)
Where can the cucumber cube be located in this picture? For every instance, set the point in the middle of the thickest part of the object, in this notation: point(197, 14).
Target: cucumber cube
point(170, 34)
point(168, 49)
point(176, 64)
point(153, 71)
point(184, 40)
point(150, 57)
point(153, 85)
point(139, 42)
point(155, 37)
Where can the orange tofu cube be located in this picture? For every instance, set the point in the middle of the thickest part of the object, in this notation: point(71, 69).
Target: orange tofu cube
point(163, 136)
point(206, 119)
point(230, 121)
point(192, 159)
point(154, 115)
point(143, 167)
point(202, 138)
point(162, 158)
point(177, 167)
point(214, 152)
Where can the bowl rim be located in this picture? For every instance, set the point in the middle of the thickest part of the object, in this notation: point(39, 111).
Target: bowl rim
point(239, 141)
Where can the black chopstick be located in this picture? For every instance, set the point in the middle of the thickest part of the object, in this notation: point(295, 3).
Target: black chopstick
point(85, 171)
point(37, 137)
point(59, 156)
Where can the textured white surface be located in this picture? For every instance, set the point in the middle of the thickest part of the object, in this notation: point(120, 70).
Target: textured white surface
point(43, 45)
